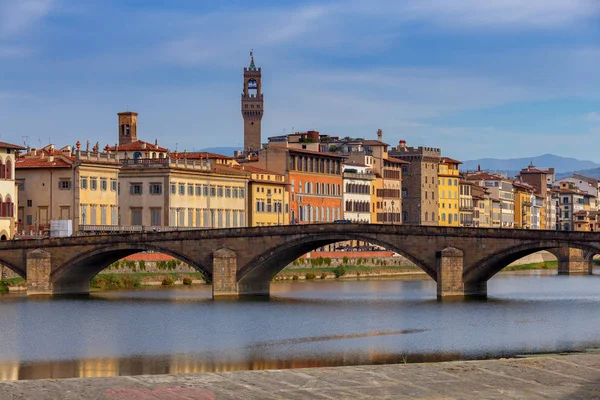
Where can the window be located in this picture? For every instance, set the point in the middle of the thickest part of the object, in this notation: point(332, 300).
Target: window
point(213, 191)
point(220, 191)
point(198, 192)
point(113, 185)
point(29, 203)
point(83, 214)
point(228, 192)
point(64, 184)
point(227, 219)
point(84, 182)
point(181, 189)
point(181, 213)
point(444, 217)
point(135, 189)
point(93, 183)
point(235, 193)
point(103, 214)
point(156, 188)
point(220, 216)
point(205, 190)
point(136, 216)
point(113, 215)
point(103, 184)
point(155, 216)
point(93, 214)
point(242, 195)
point(190, 217)
point(173, 188)
point(190, 190)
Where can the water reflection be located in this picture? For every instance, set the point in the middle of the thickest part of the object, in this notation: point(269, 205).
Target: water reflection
point(305, 324)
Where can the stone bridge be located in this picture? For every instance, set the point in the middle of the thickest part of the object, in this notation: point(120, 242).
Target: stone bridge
point(242, 261)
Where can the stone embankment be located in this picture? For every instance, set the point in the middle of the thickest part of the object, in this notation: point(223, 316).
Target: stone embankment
point(566, 377)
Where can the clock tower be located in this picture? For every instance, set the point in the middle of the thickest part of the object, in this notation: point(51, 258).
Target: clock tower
point(252, 106)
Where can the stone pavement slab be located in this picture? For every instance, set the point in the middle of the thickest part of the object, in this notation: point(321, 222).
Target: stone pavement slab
point(568, 377)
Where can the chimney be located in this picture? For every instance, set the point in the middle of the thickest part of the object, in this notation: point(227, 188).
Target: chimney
point(379, 135)
point(402, 144)
point(50, 157)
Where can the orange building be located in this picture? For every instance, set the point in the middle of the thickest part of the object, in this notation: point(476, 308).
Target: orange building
point(315, 181)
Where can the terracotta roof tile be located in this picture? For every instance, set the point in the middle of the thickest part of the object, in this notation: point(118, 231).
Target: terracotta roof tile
point(11, 146)
point(35, 162)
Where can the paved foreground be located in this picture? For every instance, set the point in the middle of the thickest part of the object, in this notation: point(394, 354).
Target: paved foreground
point(550, 377)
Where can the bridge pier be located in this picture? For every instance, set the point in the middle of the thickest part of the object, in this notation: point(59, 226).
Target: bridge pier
point(574, 262)
point(224, 282)
point(450, 281)
point(39, 267)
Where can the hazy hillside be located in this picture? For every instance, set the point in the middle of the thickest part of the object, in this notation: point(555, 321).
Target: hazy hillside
point(226, 151)
point(514, 165)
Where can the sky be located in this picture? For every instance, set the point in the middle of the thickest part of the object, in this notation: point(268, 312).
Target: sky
point(494, 78)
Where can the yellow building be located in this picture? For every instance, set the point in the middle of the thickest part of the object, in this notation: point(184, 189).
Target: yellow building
point(78, 186)
point(8, 191)
point(448, 192)
point(175, 193)
point(523, 205)
point(268, 198)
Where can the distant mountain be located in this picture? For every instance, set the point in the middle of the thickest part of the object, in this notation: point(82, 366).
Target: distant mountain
point(226, 151)
point(592, 173)
point(513, 165)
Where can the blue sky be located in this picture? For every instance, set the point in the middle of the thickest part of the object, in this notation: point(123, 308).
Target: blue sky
point(494, 78)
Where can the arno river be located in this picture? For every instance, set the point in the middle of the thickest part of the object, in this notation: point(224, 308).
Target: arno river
point(320, 323)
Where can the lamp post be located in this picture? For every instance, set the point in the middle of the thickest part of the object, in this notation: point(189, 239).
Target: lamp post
point(392, 212)
point(501, 223)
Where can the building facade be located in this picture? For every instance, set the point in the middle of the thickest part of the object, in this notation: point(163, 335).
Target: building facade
point(268, 200)
point(80, 186)
point(570, 201)
point(182, 194)
point(419, 183)
point(357, 189)
point(465, 206)
point(8, 190)
point(448, 192)
point(315, 180)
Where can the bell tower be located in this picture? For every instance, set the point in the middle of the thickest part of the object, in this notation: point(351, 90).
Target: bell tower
point(252, 106)
point(127, 127)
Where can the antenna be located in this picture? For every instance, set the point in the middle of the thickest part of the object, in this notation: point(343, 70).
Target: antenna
point(25, 140)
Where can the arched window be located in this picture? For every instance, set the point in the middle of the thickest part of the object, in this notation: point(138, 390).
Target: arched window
point(444, 217)
point(2, 170)
point(1, 207)
point(8, 169)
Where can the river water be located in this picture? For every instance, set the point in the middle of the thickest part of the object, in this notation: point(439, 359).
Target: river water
point(317, 323)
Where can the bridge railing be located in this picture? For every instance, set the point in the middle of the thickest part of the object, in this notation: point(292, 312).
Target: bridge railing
point(92, 229)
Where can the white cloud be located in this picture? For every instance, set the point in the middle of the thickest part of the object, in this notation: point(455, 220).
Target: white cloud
point(463, 14)
point(19, 15)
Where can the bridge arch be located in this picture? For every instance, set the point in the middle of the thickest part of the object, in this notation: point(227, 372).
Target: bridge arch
point(490, 265)
point(265, 266)
point(77, 271)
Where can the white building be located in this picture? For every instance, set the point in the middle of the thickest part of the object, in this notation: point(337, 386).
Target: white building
point(537, 203)
point(357, 180)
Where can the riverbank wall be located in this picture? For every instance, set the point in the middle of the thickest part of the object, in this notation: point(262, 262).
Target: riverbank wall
point(573, 376)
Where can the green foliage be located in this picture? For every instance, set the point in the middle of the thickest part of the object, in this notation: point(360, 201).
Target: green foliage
point(327, 261)
point(345, 260)
point(339, 271)
point(142, 265)
point(187, 280)
point(168, 281)
point(3, 287)
point(114, 282)
point(310, 276)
